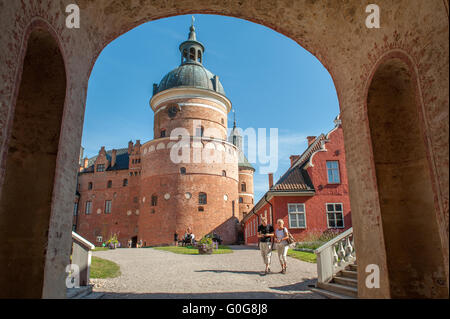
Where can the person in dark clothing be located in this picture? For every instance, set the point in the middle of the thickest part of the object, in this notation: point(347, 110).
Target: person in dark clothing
point(175, 238)
point(265, 235)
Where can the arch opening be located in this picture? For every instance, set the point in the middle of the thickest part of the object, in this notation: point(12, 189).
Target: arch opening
point(30, 168)
point(413, 248)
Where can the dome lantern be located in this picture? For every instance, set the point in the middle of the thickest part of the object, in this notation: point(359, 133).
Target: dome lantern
point(191, 49)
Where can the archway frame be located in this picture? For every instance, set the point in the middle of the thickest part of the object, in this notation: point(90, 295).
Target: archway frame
point(403, 56)
point(305, 22)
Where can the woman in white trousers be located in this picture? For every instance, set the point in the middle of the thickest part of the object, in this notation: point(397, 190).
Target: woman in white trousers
point(281, 237)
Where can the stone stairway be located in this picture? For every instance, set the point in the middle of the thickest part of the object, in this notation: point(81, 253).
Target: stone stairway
point(84, 292)
point(344, 284)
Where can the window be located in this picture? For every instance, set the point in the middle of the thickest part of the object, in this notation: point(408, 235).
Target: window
point(192, 54)
point(243, 187)
point(222, 121)
point(125, 182)
point(232, 207)
point(88, 207)
point(99, 239)
point(297, 217)
point(183, 170)
point(100, 167)
point(241, 200)
point(163, 133)
point(234, 140)
point(201, 209)
point(224, 173)
point(199, 131)
point(202, 199)
point(108, 206)
point(75, 209)
point(109, 185)
point(335, 216)
point(184, 55)
point(154, 200)
point(333, 172)
point(199, 56)
point(89, 185)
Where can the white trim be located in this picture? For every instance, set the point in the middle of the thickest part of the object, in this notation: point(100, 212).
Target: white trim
point(304, 213)
point(343, 219)
point(246, 174)
point(82, 240)
point(246, 194)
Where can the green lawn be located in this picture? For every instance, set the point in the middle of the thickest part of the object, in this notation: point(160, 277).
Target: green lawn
point(189, 250)
point(302, 255)
point(102, 268)
point(100, 249)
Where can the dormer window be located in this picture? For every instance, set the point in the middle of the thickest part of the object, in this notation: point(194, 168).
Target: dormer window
point(100, 167)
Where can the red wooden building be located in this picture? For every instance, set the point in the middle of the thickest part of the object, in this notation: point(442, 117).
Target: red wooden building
point(312, 196)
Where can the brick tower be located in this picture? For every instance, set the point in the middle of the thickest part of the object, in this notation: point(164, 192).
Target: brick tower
point(189, 191)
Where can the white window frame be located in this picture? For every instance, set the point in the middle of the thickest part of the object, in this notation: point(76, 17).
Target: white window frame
point(75, 209)
point(106, 206)
point(343, 219)
point(333, 169)
point(86, 210)
point(297, 213)
point(99, 239)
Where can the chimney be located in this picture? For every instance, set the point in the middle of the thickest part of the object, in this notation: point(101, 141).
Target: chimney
point(310, 139)
point(293, 159)
point(270, 180)
point(113, 157)
point(130, 147)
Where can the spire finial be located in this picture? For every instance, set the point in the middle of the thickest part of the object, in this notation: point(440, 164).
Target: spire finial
point(192, 35)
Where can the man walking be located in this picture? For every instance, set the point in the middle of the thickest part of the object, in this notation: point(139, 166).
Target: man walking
point(265, 234)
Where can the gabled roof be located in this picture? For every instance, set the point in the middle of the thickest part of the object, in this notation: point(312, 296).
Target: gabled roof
point(295, 179)
point(122, 161)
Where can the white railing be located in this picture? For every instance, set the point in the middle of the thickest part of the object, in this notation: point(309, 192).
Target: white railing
point(335, 255)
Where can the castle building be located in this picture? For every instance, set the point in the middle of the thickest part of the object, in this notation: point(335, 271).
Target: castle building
point(312, 196)
point(192, 174)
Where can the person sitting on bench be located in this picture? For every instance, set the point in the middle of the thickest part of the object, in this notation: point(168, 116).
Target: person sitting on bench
point(189, 237)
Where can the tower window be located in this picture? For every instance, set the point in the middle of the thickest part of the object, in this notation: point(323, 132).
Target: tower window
point(154, 200)
point(89, 185)
point(224, 173)
point(125, 182)
point(163, 133)
point(241, 200)
point(109, 185)
point(199, 56)
point(243, 187)
point(184, 55)
point(183, 170)
point(202, 199)
point(108, 204)
point(192, 54)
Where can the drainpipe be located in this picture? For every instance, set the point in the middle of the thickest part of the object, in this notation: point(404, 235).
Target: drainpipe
point(271, 207)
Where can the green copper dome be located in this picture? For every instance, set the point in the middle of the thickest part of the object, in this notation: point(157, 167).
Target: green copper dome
point(190, 75)
point(191, 72)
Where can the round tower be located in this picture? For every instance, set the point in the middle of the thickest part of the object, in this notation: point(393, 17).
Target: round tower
point(189, 170)
point(246, 172)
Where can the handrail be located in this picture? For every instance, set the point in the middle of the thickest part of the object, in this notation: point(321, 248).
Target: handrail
point(334, 240)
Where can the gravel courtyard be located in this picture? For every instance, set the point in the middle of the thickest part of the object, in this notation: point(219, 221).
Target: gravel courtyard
point(150, 273)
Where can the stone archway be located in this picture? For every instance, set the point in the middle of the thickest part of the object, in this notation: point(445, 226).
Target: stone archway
point(27, 192)
point(414, 252)
point(333, 31)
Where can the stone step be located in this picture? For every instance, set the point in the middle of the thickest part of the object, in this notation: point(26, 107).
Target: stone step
point(353, 267)
point(77, 293)
point(330, 294)
point(340, 289)
point(348, 274)
point(346, 281)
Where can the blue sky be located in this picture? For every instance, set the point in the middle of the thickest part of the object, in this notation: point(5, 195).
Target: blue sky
point(271, 81)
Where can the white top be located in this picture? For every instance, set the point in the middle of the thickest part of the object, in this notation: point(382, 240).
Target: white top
point(280, 233)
